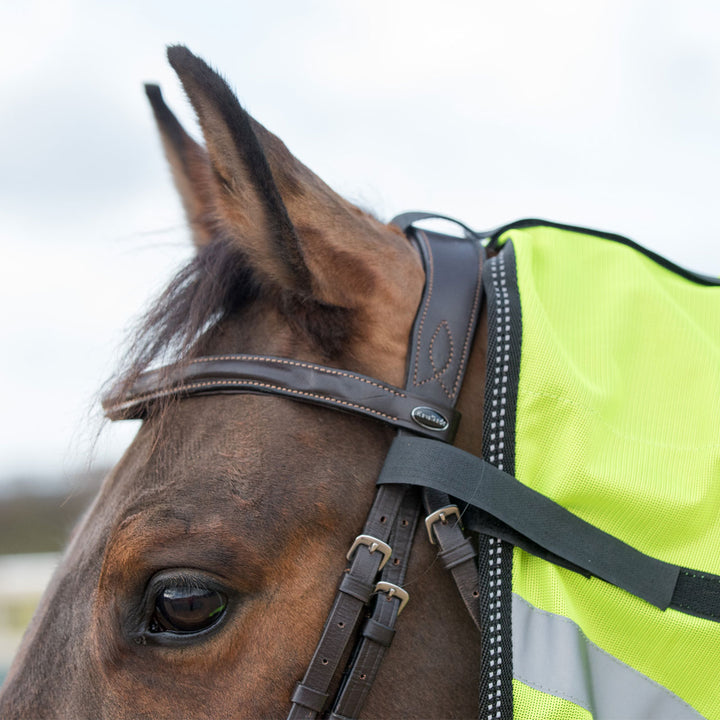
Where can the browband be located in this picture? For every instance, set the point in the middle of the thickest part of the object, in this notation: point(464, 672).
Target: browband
point(306, 381)
point(439, 351)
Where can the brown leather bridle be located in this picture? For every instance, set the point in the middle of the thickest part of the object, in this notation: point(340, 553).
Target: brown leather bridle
point(439, 350)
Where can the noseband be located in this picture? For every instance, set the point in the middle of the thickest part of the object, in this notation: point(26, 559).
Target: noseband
point(439, 350)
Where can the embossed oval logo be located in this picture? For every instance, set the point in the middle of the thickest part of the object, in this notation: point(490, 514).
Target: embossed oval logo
point(428, 418)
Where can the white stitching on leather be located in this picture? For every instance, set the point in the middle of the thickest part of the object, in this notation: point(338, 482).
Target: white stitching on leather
point(307, 365)
point(177, 389)
point(429, 281)
point(471, 325)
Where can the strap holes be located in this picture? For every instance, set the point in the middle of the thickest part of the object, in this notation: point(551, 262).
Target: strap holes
point(383, 519)
point(405, 523)
point(324, 661)
point(396, 561)
point(341, 624)
point(363, 676)
point(476, 593)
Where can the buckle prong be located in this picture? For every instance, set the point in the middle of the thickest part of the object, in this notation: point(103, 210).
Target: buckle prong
point(441, 515)
point(372, 544)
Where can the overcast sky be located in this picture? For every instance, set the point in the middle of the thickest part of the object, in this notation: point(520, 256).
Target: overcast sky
point(604, 114)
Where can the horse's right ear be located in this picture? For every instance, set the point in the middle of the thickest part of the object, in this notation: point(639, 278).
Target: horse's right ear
point(190, 167)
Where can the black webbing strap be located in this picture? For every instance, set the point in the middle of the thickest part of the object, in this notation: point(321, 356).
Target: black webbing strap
point(550, 527)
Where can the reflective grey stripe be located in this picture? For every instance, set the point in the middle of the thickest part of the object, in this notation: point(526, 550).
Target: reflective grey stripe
point(552, 654)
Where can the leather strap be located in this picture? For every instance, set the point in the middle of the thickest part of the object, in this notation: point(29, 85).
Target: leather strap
point(378, 630)
point(457, 553)
point(450, 283)
point(346, 612)
point(447, 318)
point(333, 387)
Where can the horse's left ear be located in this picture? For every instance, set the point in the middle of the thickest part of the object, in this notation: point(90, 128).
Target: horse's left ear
point(296, 232)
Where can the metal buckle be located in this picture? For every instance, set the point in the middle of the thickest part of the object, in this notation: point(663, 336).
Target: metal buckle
point(393, 590)
point(373, 544)
point(442, 516)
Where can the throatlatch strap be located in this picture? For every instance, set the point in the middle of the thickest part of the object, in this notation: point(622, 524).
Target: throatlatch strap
point(457, 553)
point(548, 526)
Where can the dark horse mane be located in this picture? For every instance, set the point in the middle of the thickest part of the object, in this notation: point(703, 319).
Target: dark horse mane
point(216, 283)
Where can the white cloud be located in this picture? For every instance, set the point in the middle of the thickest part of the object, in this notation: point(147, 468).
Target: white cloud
point(597, 113)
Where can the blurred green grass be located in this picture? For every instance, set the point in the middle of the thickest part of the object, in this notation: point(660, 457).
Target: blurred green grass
point(35, 524)
point(33, 520)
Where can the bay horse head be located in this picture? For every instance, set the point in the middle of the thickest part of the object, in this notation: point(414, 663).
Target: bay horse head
point(247, 503)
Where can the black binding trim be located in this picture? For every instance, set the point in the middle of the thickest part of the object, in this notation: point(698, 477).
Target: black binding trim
point(708, 280)
point(495, 554)
point(406, 220)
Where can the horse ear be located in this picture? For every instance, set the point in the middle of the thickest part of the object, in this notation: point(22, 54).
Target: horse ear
point(249, 204)
point(294, 228)
point(190, 167)
point(350, 281)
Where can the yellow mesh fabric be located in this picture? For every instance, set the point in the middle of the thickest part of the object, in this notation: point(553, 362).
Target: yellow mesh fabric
point(531, 704)
point(618, 420)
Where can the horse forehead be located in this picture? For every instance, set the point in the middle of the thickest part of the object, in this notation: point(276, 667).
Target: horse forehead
point(221, 442)
point(236, 440)
point(226, 461)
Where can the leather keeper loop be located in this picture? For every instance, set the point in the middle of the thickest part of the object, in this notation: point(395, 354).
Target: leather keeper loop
point(358, 589)
point(309, 698)
point(457, 554)
point(378, 632)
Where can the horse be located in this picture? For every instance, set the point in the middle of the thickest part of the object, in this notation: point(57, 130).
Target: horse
point(312, 362)
point(248, 504)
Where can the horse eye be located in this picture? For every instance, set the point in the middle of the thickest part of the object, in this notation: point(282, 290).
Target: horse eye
point(187, 609)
